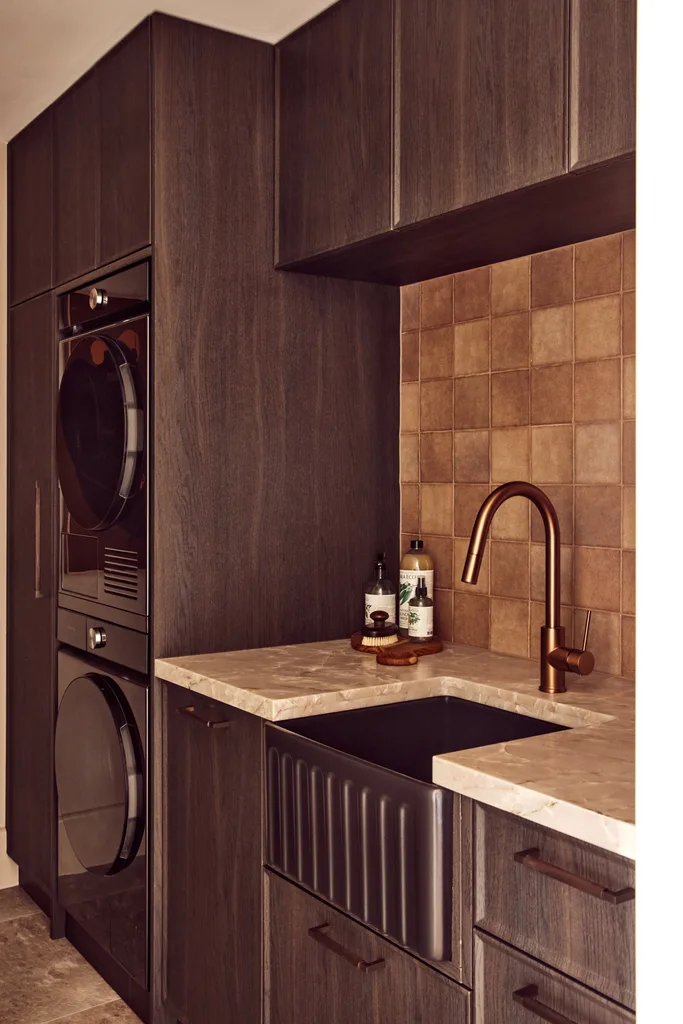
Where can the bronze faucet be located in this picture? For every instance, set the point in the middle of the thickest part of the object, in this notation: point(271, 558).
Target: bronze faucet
point(556, 659)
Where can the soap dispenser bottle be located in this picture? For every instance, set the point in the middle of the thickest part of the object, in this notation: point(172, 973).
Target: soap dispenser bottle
point(380, 593)
point(421, 614)
point(415, 564)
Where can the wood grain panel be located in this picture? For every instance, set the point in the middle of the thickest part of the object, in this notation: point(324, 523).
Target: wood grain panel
point(212, 850)
point(481, 100)
point(31, 667)
point(603, 80)
point(334, 96)
point(308, 983)
point(29, 207)
point(579, 934)
point(501, 971)
point(275, 395)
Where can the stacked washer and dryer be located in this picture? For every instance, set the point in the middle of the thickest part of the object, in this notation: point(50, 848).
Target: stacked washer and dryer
point(102, 729)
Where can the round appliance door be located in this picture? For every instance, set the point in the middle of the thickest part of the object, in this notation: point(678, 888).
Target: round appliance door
point(99, 767)
point(100, 426)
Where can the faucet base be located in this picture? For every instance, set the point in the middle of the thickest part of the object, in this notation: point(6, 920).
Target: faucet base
point(552, 678)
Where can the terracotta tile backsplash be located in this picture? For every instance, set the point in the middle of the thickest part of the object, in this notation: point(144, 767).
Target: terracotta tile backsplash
point(526, 370)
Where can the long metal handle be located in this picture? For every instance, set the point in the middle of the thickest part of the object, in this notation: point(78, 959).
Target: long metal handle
point(531, 859)
point(211, 724)
point(586, 630)
point(37, 568)
point(320, 935)
point(527, 997)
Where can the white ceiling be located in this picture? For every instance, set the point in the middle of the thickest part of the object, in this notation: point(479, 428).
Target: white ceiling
point(45, 45)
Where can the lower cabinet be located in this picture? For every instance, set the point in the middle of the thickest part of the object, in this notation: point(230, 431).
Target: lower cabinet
point(513, 988)
point(324, 967)
point(213, 875)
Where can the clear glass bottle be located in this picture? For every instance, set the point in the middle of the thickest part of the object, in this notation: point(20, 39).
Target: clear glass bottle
point(415, 564)
point(380, 593)
point(421, 614)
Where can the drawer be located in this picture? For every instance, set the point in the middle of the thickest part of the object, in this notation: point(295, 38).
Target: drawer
point(324, 967)
point(511, 987)
point(542, 892)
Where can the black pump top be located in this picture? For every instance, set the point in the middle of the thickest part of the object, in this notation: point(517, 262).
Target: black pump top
point(416, 545)
point(421, 588)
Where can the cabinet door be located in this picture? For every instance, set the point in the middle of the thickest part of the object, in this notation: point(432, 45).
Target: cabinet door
point(480, 93)
point(77, 179)
point(325, 967)
point(603, 80)
point(30, 210)
point(212, 845)
point(126, 144)
point(334, 83)
point(31, 591)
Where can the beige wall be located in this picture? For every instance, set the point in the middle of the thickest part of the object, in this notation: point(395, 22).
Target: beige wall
point(8, 874)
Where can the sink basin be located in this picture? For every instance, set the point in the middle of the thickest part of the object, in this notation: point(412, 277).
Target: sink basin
point(404, 737)
point(354, 816)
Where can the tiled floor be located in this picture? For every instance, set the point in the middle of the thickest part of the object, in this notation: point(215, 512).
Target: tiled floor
point(46, 982)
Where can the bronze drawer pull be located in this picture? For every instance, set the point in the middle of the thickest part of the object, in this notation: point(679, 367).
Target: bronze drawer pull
point(190, 711)
point(319, 934)
point(526, 997)
point(531, 859)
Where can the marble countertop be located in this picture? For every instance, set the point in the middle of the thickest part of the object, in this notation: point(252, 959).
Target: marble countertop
point(579, 782)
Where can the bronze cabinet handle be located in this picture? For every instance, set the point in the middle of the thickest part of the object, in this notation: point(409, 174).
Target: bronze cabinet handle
point(37, 567)
point(527, 997)
point(211, 724)
point(320, 935)
point(531, 859)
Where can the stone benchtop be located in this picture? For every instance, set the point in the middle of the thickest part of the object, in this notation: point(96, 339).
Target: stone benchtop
point(579, 782)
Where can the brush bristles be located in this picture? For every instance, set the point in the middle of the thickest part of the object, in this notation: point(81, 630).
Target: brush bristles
point(379, 641)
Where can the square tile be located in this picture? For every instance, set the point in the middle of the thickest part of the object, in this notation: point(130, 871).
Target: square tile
point(628, 647)
point(436, 457)
point(628, 518)
point(628, 582)
point(597, 578)
point(552, 335)
point(629, 387)
point(628, 452)
point(471, 451)
point(552, 454)
point(410, 463)
point(597, 391)
point(410, 307)
point(598, 515)
point(598, 453)
point(604, 640)
point(552, 277)
point(410, 407)
point(510, 341)
point(551, 393)
point(468, 501)
point(509, 569)
point(510, 286)
point(410, 508)
point(628, 323)
point(471, 619)
point(460, 546)
point(443, 614)
point(472, 347)
point(629, 255)
point(510, 627)
point(471, 298)
point(436, 352)
point(562, 498)
point(436, 302)
point(436, 512)
point(597, 266)
point(509, 454)
point(441, 550)
point(510, 398)
point(538, 574)
point(511, 521)
point(597, 332)
point(410, 356)
point(436, 404)
point(14, 903)
point(471, 402)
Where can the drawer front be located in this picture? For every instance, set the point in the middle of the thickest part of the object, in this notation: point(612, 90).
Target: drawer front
point(511, 987)
point(576, 931)
point(324, 967)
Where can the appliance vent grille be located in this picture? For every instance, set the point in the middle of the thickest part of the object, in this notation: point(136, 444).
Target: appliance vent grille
point(121, 573)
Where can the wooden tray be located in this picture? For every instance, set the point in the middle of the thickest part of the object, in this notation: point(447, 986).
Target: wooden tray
point(403, 652)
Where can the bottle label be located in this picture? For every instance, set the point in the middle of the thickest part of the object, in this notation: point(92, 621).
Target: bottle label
point(380, 603)
point(407, 585)
point(421, 621)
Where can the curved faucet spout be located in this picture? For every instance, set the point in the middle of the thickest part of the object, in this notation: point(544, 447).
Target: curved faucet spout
point(480, 532)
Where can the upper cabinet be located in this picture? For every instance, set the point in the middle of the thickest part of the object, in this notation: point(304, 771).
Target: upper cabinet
point(480, 100)
point(334, 116)
point(102, 161)
point(602, 81)
point(29, 158)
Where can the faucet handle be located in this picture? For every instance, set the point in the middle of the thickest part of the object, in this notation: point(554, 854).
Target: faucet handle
point(586, 629)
